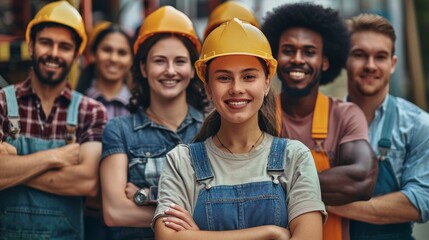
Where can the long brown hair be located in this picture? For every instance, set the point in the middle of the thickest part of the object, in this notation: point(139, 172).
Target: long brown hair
point(266, 114)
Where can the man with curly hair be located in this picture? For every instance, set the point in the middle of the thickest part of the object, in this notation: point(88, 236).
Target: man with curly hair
point(311, 44)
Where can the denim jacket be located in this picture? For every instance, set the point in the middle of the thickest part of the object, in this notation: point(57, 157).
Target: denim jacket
point(146, 143)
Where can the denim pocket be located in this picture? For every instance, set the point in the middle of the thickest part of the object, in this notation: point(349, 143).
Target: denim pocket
point(35, 223)
point(241, 206)
point(145, 164)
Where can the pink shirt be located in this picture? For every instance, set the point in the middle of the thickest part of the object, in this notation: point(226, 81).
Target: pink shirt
point(347, 123)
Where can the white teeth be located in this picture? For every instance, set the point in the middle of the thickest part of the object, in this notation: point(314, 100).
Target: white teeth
point(297, 75)
point(238, 103)
point(169, 83)
point(112, 69)
point(52, 65)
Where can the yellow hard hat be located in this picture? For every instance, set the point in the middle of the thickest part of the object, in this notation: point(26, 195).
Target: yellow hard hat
point(99, 27)
point(167, 19)
point(235, 37)
point(63, 13)
point(227, 11)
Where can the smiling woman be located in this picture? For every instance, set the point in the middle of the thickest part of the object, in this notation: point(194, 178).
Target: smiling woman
point(239, 181)
point(106, 78)
point(167, 109)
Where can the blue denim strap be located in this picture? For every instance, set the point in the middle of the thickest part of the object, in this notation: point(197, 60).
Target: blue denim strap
point(73, 109)
point(277, 155)
point(275, 166)
point(12, 110)
point(386, 133)
point(12, 104)
point(200, 161)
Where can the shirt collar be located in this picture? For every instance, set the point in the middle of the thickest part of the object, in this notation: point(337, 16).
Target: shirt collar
point(123, 96)
point(24, 89)
point(141, 120)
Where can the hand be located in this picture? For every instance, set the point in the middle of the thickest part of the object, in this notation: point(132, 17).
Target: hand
point(179, 219)
point(6, 148)
point(130, 190)
point(280, 233)
point(67, 155)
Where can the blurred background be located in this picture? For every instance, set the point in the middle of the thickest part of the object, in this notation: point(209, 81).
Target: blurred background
point(410, 19)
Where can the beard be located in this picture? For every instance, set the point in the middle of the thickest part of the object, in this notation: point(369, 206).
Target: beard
point(369, 92)
point(295, 92)
point(48, 78)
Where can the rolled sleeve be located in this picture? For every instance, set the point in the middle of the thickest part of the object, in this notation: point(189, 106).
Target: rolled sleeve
point(113, 138)
point(415, 178)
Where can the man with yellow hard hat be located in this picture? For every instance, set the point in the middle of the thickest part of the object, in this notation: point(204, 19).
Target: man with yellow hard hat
point(55, 132)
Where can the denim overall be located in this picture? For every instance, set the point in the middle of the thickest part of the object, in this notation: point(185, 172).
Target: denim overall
point(386, 183)
point(227, 207)
point(27, 213)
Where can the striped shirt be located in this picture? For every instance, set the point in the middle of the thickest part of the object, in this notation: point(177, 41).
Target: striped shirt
point(34, 123)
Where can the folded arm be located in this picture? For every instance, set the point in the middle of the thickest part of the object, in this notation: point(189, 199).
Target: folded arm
point(76, 180)
point(17, 169)
point(118, 209)
point(268, 232)
point(356, 171)
point(387, 209)
point(178, 219)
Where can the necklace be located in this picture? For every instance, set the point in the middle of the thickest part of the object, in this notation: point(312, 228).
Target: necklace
point(251, 148)
point(160, 120)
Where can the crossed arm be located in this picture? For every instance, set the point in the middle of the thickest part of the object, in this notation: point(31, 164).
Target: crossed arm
point(118, 207)
point(353, 178)
point(179, 224)
point(68, 170)
point(387, 209)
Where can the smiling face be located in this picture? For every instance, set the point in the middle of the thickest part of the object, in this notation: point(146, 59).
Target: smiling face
point(53, 54)
point(168, 69)
point(370, 63)
point(237, 86)
point(301, 61)
point(113, 57)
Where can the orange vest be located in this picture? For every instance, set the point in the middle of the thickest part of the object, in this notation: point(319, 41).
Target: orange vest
point(332, 229)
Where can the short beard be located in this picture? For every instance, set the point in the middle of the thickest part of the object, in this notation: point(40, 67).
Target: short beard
point(365, 93)
point(49, 80)
point(294, 92)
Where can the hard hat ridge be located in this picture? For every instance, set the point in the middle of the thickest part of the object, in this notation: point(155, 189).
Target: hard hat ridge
point(235, 37)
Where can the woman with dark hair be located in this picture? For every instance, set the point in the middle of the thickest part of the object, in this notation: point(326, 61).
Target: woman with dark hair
point(239, 181)
point(167, 109)
point(106, 78)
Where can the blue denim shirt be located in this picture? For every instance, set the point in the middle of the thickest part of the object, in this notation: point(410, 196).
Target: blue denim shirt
point(409, 154)
point(146, 143)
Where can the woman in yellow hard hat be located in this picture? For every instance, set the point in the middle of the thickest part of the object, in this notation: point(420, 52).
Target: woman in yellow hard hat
point(167, 109)
point(105, 79)
point(239, 181)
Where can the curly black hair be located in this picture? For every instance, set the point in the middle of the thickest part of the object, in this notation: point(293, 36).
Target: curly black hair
point(325, 21)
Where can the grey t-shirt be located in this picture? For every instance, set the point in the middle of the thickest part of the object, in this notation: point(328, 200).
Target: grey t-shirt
point(178, 185)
